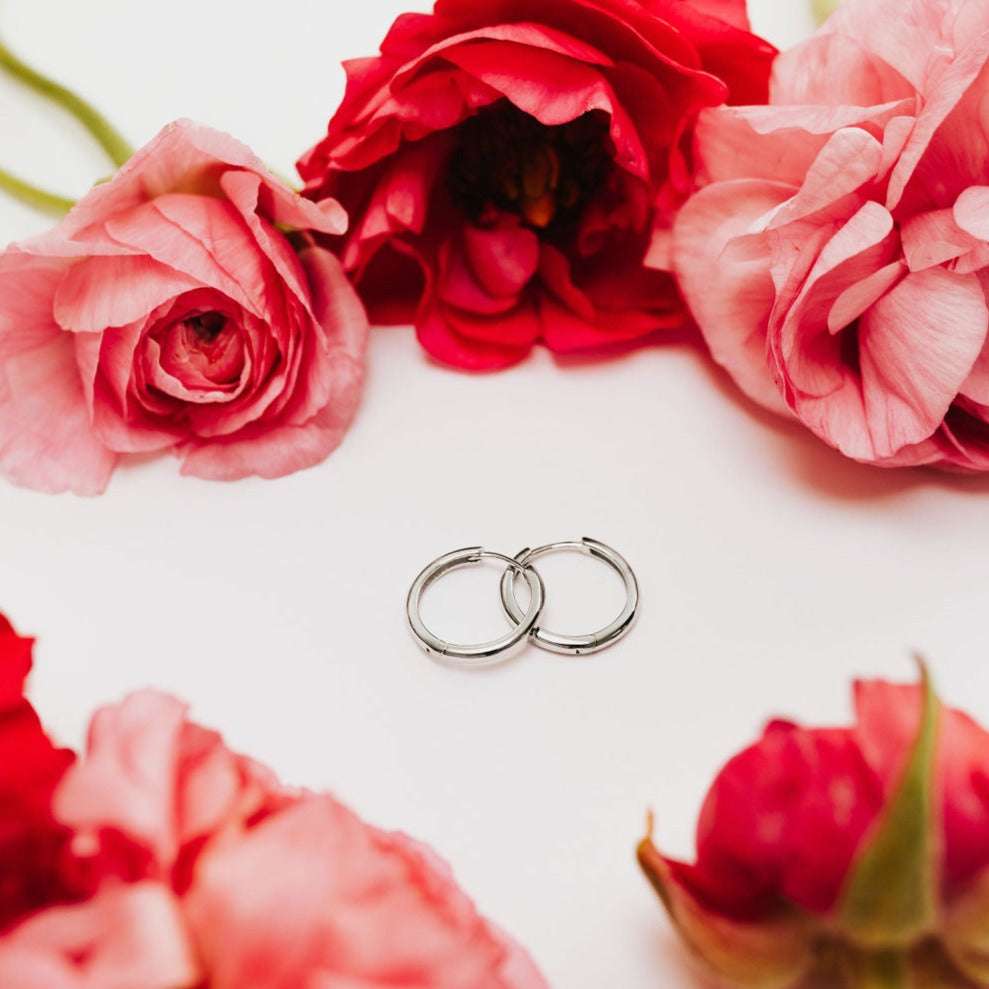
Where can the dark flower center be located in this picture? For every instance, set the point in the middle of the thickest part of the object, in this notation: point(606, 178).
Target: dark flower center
point(506, 161)
point(207, 326)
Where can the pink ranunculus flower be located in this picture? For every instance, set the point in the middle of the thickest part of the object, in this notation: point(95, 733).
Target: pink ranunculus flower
point(181, 306)
point(210, 873)
point(837, 260)
point(860, 854)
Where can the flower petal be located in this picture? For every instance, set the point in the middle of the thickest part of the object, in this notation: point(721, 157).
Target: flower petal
point(503, 258)
point(330, 895)
point(126, 937)
point(47, 440)
point(918, 344)
point(727, 283)
point(102, 292)
point(301, 436)
point(771, 953)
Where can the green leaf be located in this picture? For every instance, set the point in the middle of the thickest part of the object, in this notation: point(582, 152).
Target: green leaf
point(889, 899)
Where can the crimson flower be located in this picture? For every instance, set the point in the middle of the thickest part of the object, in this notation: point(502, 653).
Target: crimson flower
point(510, 166)
point(31, 841)
point(861, 852)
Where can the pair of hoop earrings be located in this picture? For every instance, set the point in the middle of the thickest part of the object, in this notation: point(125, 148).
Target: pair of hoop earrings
point(526, 621)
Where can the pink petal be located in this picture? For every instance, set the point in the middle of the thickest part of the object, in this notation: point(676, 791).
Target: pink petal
point(302, 436)
point(836, 69)
point(204, 238)
point(47, 440)
point(244, 190)
point(126, 781)
point(789, 137)
point(727, 285)
point(932, 238)
point(861, 294)
point(918, 345)
point(180, 151)
point(329, 894)
point(976, 385)
point(281, 205)
point(839, 260)
point(907, 35)
point(971, 209)
point(125, 937)
point(106, 367)
point(849, 160)
point(951, 86)
point(103, 292)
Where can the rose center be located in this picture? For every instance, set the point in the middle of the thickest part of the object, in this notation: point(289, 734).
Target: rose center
point(507, 161)
point(207, 326)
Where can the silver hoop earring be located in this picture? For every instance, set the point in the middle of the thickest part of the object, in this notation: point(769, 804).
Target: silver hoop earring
point(576, 645)
point(485, 653)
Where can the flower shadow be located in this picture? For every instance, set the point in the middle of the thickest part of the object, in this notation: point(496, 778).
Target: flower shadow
point(813, 463)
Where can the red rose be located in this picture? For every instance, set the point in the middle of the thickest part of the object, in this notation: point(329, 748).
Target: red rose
point(857, 851)
point(31, 843)
point(508, 166)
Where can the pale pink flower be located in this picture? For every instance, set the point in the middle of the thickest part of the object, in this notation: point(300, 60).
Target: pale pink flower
point(209, 873)
point(837, 259)
point(181, 306)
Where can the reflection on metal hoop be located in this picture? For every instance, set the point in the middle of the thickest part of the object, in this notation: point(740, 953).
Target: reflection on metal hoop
point(483, 653)
point(576, 645)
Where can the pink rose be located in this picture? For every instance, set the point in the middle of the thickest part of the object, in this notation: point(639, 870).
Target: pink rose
point(510, 165)
point(857, 852)
point(211, 873)
point(181, 306)
point(837, 260)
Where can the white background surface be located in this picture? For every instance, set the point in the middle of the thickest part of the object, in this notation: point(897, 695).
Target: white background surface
point(772, 571)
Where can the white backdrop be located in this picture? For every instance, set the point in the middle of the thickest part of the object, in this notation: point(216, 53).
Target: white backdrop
point(772, 571)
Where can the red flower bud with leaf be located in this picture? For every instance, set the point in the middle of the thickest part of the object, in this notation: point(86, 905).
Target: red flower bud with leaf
point(861, 853)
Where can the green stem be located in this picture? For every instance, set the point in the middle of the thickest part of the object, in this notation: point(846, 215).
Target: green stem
point(108, 137)
point(823, 9)
point(46, 202)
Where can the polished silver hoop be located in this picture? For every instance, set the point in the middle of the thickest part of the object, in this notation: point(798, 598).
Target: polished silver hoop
point(575, 645)
point(484, 653)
